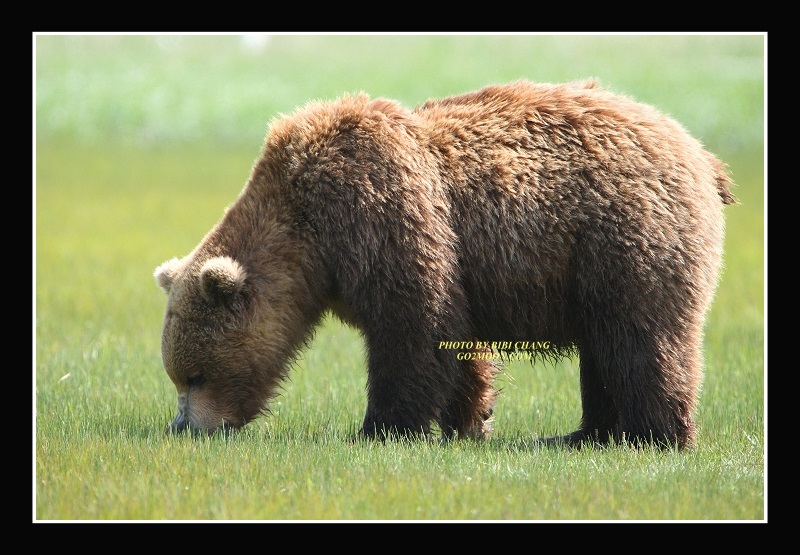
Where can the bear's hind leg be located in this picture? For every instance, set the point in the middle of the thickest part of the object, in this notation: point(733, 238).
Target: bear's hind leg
point(657, 410)
point(653, 379)
point(600, 415)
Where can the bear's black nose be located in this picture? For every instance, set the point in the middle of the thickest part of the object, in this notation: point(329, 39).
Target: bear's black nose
point(179, 424)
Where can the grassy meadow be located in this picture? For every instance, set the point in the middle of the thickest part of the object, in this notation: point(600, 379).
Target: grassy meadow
point(142, 141)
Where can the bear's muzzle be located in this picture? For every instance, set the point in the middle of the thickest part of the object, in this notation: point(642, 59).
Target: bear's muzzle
point(181, 424)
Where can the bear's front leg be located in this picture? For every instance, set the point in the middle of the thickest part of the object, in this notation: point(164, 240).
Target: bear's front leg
point(411, 387)
point(402, 395)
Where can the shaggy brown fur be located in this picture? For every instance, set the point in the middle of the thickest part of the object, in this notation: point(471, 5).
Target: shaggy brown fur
point(519, 212)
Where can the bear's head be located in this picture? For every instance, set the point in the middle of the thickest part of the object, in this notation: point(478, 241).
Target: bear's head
point(228, 337)
point(206, 315)
point(243, 303)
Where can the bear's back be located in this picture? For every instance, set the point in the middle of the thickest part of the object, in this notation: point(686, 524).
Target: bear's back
point(556, 191)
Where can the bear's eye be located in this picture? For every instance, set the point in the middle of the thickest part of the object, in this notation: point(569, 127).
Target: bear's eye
point(196, 380)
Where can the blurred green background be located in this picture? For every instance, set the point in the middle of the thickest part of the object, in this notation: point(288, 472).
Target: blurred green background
point(162, 89)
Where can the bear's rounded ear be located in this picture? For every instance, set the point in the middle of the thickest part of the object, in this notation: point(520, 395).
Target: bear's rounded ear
point(221, 277)
point(165, 274)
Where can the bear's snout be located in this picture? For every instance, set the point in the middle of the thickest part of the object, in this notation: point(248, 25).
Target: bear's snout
point(182, 423)
point(179, 424)
point(185, 420)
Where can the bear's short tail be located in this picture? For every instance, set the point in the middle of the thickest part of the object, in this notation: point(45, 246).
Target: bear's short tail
point(723, 179)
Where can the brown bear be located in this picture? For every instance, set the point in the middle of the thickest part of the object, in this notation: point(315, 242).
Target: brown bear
point(516, 214)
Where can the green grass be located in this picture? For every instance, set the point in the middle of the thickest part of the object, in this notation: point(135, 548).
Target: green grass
point(142, 142)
